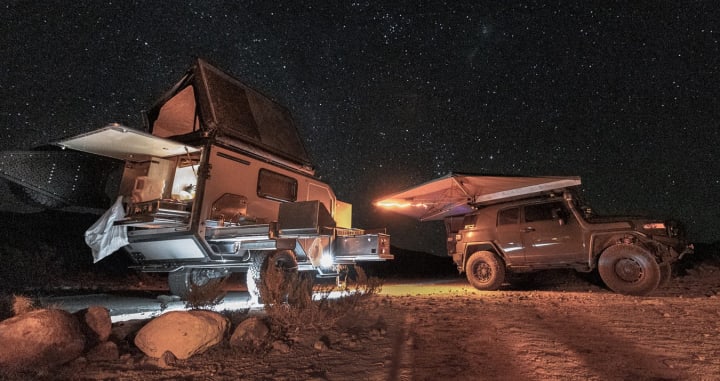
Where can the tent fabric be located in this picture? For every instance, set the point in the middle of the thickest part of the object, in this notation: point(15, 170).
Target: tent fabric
point(103, 237)
point(457, 193)
point(239, 111)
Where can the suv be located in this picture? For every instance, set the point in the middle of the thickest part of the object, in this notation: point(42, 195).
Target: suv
point(534, 226)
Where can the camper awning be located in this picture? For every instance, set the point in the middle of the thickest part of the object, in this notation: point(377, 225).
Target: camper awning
point(124, 143)
point(456, 194)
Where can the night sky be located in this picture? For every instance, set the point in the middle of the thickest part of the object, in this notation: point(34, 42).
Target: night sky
point(392, 94)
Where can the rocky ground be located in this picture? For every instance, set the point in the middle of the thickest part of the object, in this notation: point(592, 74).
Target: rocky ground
point(554, 325)
point(425, 324)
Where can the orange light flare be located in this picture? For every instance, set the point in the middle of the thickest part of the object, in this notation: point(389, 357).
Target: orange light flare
point(400, 205)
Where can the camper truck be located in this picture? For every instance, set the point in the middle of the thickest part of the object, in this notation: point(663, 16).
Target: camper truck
point(218, 182)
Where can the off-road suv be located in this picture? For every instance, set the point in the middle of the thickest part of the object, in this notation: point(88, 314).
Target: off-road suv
point(497, 225)
point(632, 255)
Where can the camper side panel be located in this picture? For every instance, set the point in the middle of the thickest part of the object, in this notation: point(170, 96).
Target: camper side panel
point(262, 184)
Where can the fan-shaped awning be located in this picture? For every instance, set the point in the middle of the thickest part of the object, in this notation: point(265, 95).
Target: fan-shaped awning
point(456, 193)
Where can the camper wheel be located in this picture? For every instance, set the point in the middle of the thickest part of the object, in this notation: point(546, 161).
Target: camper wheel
point(276, 280)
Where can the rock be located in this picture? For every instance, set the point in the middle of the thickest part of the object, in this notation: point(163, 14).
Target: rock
point(280, 346)
point(105, 351)
point(184, 333)
point(42, 338)
point(95, 323)
point(167, 360)
point(250, 333)
point(322, 344)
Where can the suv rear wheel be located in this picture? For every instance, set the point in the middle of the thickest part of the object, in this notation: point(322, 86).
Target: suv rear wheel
point(485, 271)
point(629, 269)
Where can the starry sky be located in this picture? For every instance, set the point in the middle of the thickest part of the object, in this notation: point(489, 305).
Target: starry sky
point(390, 94)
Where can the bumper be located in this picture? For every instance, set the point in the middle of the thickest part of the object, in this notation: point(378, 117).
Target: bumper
point(689, 249)
point(360, 248)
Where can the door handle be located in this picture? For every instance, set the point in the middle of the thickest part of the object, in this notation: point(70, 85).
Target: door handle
point(528, 229)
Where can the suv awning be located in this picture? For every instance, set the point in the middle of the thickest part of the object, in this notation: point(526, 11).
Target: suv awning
point(457, 193)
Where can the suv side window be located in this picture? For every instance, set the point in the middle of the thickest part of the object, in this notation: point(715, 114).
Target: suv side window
point(543, 212)
point(469, 221)
point(508, 216)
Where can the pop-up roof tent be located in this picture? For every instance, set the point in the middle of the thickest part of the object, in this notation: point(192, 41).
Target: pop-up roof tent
point(209, 102)
point(205, 103)
point(457, 194)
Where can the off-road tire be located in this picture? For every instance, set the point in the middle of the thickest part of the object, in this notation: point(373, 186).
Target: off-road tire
point(254, 275)
point(665, 274)
point(278, 275)
point(629, 269)
point(301, 296)
point(485, 270)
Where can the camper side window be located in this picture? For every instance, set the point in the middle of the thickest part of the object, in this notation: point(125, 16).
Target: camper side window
point(275, 186)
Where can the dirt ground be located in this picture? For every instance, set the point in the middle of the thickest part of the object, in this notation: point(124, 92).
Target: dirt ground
point(551, 326)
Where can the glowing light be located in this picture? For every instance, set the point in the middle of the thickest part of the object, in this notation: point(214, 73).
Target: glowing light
point(657, 225)
point(395, 204)
point(327, 261)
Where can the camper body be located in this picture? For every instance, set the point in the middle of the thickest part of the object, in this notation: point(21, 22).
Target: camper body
point(218, 182)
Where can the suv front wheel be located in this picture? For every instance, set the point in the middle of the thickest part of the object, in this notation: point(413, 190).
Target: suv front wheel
point(629, 269)
point(485, 270)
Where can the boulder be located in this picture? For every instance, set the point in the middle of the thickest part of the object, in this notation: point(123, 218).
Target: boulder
point(42, 338)
point(183, 333)
point(95, 323)
point(251, 333)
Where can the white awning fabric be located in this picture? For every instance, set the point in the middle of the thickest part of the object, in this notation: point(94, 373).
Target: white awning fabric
point(456, 194)
point(124, 143)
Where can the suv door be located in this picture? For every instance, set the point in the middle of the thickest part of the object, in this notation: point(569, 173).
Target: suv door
point(510, 236)
point(550, 234)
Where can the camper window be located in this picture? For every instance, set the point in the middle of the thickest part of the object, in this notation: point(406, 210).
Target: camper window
point(275, 186)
